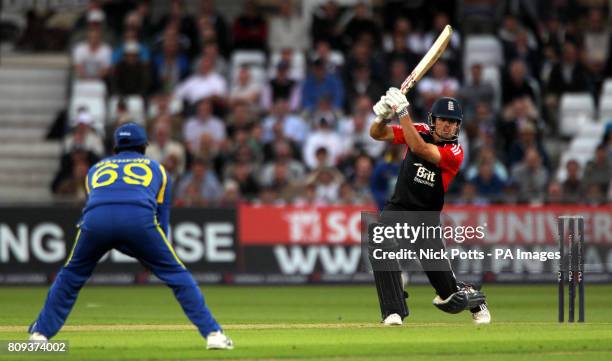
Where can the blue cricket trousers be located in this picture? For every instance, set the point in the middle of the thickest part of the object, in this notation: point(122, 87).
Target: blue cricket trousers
point(134, 231)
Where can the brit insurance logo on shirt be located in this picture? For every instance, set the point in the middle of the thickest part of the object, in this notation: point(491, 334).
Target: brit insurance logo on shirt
point(424, 175)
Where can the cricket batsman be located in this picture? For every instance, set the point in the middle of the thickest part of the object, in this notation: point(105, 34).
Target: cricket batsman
point(128, 209)
point(433, 157)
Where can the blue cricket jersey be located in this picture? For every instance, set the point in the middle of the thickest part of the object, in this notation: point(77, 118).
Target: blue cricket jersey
point(130, 178)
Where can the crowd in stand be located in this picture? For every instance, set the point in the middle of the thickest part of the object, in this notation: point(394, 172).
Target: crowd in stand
point(298, 132)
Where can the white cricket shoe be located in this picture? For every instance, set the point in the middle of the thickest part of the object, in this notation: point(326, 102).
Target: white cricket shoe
point(393, 320)
point(482, 316)
point(217, 340)
point(38, 337)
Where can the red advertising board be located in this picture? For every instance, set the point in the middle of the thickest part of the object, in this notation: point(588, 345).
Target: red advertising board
point(268, 225)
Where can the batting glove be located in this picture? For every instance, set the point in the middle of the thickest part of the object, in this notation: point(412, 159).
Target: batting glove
point(382, 110)
point(397, 101)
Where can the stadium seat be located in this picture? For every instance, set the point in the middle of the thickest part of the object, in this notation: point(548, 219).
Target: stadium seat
point(607, 87)
point(605, 107)
point(92, 88)
point(248, 57)
point(135, 106)
point(484, 49)
point(576, 109)
point(581, 157)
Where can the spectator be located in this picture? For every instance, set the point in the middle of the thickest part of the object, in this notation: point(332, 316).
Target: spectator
point(282, 155)
point(177, 17)
point(334, 60)
point(475, 91)
point(362, 28)
point(326, 181)
point(326, 25)
point(73, 187)
point(293, 126)
point(527, 137)
point(487, 183)
point(206, 83)
point(287, 30)
point(243, 173)
point(438, 84)
point(171, 65)
point(360, 182)
point(199, 187)
point(162, 107)
point(385, 173)
point(245, 89)
point(217, 22)
point(517, 84)
point(204, 123)
point(567, 76)
point(596, 41)
point(92, 58)
point(355, 129)
point(142, 13)
point(397, 73)
point(554, 194)
point(396, 44)
point(211, 50)
point(83, 136)
point(325, 137)
point(487, 155)
point(400, 51)
point(593, 196)
point(130, 35)
point(481, 129)
point(524, 51)
point(131, 75)
point(362, 84)
point(573, 187)
point(321, 84)
point(162, 145)
point(469, 196)
point(241, 116)
point(231, 194)
point(599, 170)
point(530, 177)
point(281, 87)
point(250, 29)
point(361, 55)
point(68, 161)
point(171, 164)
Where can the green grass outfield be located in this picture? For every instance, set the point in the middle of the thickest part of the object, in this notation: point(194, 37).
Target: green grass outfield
point(315, 323)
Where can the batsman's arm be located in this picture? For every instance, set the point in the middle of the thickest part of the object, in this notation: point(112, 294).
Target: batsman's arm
point(381, 131)
point(416, 143)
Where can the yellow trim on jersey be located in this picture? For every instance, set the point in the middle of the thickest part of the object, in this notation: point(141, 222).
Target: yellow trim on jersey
point(76, 240)
point(87, 183)
point(161, 232)
point(162, 190)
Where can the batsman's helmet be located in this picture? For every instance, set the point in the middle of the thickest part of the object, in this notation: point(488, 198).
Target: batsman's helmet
point(446, 108)
point(130, 135)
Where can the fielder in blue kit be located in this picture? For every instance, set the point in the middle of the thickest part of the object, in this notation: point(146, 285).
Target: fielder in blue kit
point(128, 209)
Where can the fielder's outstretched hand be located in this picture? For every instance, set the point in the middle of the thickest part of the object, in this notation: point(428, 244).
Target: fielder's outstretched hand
point(382, 110)
point(396, 100)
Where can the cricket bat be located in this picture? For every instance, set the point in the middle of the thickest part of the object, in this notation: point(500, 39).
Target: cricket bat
point(432, 55)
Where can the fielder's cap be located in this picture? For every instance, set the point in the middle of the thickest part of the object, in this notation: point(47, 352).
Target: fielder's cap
point(130, 135)
point(131, 47)
point(95, 16)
